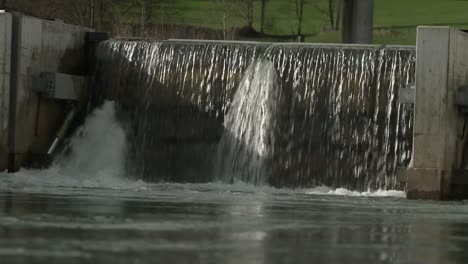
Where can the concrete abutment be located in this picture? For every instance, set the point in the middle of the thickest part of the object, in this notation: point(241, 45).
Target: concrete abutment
point(439, 125)
point(30, 46)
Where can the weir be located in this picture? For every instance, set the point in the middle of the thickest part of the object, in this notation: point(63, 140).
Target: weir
point(285, 115)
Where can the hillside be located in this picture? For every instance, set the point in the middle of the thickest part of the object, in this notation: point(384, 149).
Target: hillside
point(395, 21)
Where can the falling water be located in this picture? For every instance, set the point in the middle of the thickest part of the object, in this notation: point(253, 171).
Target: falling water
point(249, 127)
point(299, 116)
point(93, 157)
point(341, 125)
point(176, 95)
point(103, 134)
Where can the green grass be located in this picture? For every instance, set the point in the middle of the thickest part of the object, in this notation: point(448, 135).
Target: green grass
point(395, 21)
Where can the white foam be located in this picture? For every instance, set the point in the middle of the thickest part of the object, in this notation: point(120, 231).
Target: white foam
point(94, 157)
point(323, 190)
point(97, 148)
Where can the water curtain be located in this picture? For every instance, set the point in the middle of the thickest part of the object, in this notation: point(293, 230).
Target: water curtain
point(282, 114)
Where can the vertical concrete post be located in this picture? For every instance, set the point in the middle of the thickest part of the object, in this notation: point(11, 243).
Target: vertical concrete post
point(438, 125)
point(6, 21)
point(14, 86)
point(357, 21)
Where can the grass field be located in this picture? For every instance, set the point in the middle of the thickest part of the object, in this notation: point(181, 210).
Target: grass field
point(395, 21)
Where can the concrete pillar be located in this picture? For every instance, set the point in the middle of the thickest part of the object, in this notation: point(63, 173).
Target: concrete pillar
point(6, 21)
point(438, 124)
point(357, 21)
point(29, 46)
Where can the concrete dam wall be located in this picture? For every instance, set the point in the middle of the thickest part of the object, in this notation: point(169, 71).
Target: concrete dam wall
point(29, 46)
point(285, 115)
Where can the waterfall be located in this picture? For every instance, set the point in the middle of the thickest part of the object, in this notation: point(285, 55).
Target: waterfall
point(284, 115)
point(176, 95)
point(248, 137)
point(341, 125)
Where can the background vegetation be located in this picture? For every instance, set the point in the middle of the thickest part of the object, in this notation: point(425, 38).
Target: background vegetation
point(395, 21)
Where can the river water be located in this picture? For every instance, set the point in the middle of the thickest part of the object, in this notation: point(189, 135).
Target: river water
point(86, 209)
point(47, 220)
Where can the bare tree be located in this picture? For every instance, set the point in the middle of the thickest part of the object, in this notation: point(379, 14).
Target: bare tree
point(146, 10)
point(228, 9)
point(40, 8)
point(243, 9)
point(92, 13)
point(332, 12)
point(299, 5)
point(225, 16)
point(78, 12)
point(88, 13)
point(115, 10)
point(246, 10)
point(107, 12)
point(338, 12)
point(262, 19)
point(249, 11)
point(99, 14)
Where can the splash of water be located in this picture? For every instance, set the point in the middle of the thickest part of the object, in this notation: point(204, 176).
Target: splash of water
point(94, 156)
point(176, 95)
point(249, 127)
point(97, 148)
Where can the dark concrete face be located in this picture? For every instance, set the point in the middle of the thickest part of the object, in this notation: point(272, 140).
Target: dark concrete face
point(222, 224)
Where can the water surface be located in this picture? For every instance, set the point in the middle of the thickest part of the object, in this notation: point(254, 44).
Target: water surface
point(46, 220)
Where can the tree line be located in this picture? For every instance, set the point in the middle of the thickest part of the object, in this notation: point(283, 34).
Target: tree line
point(245, 10)
point(102, 13)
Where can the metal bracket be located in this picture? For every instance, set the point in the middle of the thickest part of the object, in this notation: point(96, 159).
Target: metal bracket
point(61, 86)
